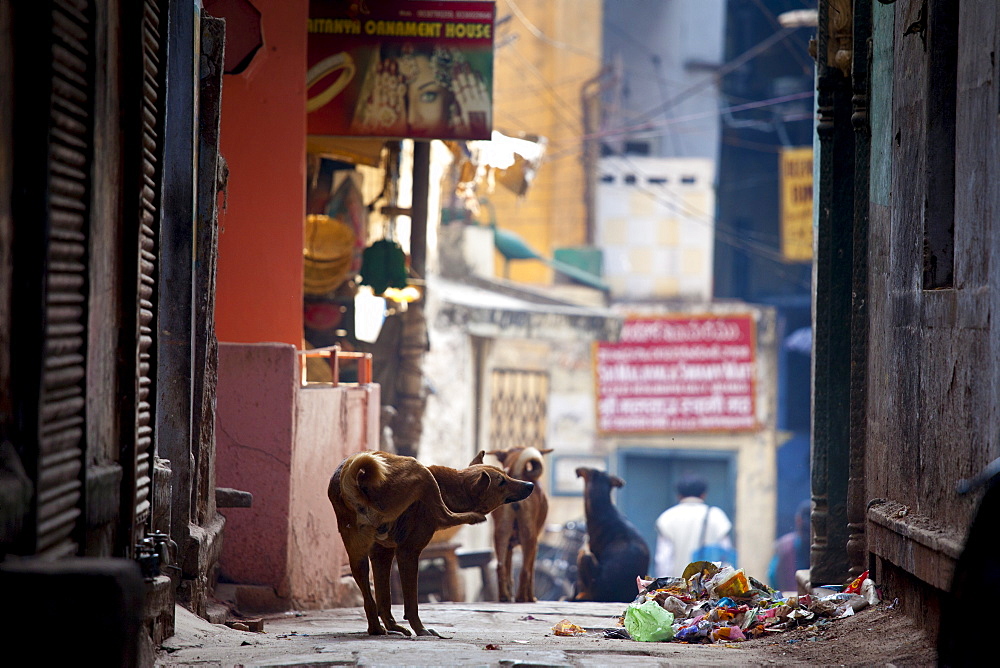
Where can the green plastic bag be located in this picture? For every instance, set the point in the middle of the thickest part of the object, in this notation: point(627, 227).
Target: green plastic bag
point(649, 622)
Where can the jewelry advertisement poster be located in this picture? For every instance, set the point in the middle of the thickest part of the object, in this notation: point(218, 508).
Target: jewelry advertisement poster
point(400, 68)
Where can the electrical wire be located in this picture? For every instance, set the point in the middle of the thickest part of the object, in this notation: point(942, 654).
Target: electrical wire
point(537, 32)
point(708, 114)
point(695, 88)
point(662, 81)
point(729, 238)
point(724, 69)
point(803, 59)
point(682, 119)
point(684, 94)
point(750, 247)
point(562, 106)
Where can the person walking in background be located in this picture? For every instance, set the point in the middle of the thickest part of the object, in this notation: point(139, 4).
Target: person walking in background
point(685, 529)
point(791, 552)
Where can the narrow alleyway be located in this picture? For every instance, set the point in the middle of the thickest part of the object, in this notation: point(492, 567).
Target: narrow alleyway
point(497, 634)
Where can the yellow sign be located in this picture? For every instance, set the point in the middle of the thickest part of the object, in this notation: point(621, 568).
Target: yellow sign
point(797, 204)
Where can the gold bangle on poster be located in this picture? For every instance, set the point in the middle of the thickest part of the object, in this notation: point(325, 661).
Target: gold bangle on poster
point(338, 61)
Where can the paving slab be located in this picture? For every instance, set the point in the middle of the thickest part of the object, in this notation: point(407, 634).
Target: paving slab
point(473, 634)
point(519, 634)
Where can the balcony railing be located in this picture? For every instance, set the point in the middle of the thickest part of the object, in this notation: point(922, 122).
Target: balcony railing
point(334, 354)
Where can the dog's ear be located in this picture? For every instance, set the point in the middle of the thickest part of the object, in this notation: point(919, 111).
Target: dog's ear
point(546, 451)
point(499, 454)
point(581, 473)
point(478, 459)
point(616, 481)
point(480, 484)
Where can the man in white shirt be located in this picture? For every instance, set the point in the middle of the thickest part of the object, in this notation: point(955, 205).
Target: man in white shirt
point(679, 528)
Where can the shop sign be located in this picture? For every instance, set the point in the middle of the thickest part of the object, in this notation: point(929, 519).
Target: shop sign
point(400, 68)
point(796, 177)
point(678, 374)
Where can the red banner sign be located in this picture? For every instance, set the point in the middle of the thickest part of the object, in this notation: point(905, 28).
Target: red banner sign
point(675, 374)
point(400, 68)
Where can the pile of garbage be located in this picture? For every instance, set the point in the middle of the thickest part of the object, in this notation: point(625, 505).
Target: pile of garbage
point(711, 603)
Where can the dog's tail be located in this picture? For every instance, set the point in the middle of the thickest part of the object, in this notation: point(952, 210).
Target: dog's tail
point(443, 515)
point(528, 465)
point(367, 467)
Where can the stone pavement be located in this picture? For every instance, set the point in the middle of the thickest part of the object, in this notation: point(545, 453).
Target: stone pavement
point(520, 634)
point(523, 633)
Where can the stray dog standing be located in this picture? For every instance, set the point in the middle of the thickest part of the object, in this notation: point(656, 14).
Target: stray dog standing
point(457, 496)
point(519, 523)
point(617, 552)
point(365, 476)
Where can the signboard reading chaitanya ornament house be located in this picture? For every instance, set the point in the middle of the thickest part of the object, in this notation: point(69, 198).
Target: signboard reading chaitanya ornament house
point(400, 68)
point(677, 374)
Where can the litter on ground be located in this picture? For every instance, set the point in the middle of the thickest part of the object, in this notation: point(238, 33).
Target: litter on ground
point(710, 603)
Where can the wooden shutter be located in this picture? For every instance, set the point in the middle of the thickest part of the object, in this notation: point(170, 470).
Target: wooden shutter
point(53, 148)
point(143, 104)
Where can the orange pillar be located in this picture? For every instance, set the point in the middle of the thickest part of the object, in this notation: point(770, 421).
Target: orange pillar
point(263, 140)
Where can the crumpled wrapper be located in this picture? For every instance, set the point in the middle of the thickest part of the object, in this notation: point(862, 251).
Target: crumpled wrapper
point(568, 628)
point(678, 608)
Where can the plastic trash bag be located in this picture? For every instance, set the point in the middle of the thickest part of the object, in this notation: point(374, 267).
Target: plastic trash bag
point(649, 622)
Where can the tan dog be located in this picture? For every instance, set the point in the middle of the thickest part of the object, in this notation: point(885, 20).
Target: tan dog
point(364, 481)
point(519, 524)
point(462, 493)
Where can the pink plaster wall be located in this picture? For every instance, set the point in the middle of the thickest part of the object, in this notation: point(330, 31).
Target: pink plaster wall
point(333, 423)
point(282, 443)
point(255, 429)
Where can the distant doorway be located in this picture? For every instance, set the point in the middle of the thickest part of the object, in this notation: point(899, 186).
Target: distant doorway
point(651, 476)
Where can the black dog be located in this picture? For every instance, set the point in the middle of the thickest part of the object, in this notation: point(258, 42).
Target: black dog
point(617, 553)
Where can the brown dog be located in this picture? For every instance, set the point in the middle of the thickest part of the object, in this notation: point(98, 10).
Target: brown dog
point(616, 552)
point(364, 481)
point(470, 492)
point(519, 523)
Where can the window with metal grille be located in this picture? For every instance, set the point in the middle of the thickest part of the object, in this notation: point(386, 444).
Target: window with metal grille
point(518, 408)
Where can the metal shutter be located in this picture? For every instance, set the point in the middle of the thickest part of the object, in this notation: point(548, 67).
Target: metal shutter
point(63, 390)
point(144, 91)
point(53, 153)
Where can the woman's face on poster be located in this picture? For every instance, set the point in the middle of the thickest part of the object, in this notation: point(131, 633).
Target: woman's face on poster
point(427, 100)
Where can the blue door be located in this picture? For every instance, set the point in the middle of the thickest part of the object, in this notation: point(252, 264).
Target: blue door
point(651, 476)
